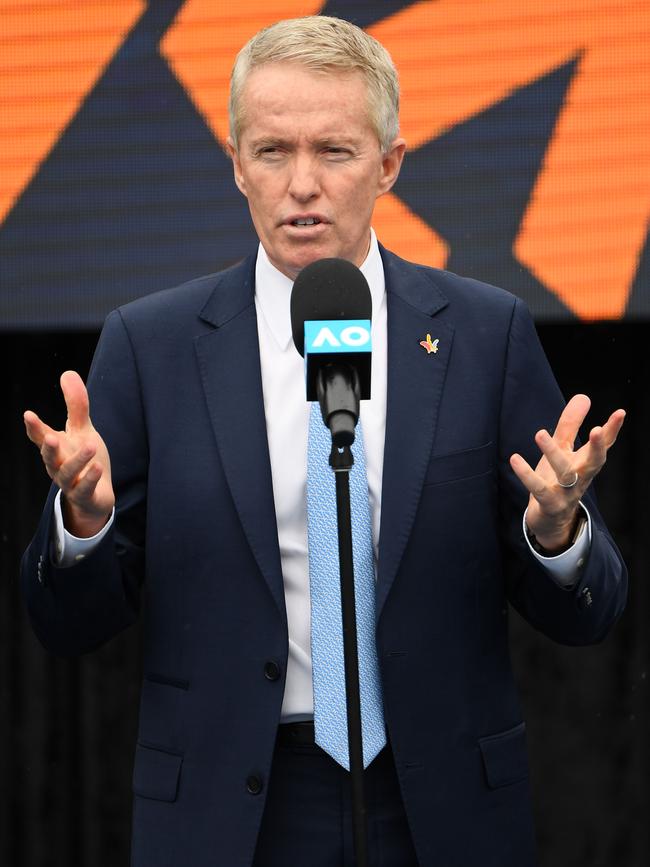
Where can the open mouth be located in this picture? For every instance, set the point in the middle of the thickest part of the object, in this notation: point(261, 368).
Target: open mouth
point(308, 221)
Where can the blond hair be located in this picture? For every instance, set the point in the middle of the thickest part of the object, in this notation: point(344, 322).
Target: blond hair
point(324, 44)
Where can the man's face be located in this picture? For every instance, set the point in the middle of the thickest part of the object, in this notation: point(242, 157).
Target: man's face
point(310, 164)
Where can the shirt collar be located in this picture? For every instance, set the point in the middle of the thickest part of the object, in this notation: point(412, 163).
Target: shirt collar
point(273, 290)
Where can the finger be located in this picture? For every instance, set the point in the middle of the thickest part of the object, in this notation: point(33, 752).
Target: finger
point(85, 484)
point(35, 428)
point(573, 415)
point(601, 439)
point(76, 400)
point(612, 427)
point(597, 453)
point(532, 481)
point(68, 471)
point(560, 460)
point(51, 452)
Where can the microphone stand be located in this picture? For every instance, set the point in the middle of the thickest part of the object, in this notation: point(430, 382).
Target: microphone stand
point(338, 395)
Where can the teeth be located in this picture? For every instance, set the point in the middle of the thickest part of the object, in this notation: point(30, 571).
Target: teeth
point(310, 221)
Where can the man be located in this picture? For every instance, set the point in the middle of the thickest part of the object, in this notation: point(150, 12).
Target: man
point(197, 396)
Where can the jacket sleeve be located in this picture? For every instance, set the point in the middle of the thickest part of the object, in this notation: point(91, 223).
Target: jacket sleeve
point(531, 400)
point(76, 609)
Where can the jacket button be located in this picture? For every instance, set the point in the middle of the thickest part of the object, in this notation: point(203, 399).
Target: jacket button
point(586, 598)
point(254, 785)
point(271, 670)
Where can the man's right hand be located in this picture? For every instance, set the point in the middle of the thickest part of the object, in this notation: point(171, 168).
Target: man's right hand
point(77, 460)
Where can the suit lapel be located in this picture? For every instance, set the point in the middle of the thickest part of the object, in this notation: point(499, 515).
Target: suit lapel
point(415, 383)
point(229, 363)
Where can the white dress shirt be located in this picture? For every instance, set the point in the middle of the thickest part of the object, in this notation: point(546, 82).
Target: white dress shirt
point(287, 423)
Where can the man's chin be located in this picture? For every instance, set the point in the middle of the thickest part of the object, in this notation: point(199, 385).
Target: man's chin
point(292, 266)
point(291, 259)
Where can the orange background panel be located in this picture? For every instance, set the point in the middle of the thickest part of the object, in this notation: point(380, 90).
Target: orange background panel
point(51, 54)
point(401, 230)
point(585, 225)
point(203, 42)
point(458, 57)
point(597, 170)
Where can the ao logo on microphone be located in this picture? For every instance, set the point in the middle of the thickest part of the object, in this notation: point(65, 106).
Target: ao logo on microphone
point(337, 335)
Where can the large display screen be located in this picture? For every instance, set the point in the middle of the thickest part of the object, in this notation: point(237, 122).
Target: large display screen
point(528, 163)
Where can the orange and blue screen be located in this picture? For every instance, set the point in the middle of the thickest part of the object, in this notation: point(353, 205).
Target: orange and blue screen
point(528, 163)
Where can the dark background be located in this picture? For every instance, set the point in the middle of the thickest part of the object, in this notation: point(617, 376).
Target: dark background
point(67, 727)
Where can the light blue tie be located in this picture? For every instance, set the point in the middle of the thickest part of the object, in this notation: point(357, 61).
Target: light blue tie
point(328, 669)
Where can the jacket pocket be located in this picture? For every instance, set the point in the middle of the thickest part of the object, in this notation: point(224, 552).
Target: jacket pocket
point(505, 757)
point(454, 466)
point(156, 773)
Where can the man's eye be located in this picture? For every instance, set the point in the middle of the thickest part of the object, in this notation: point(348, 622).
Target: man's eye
point(270, 151)
point(337, 153)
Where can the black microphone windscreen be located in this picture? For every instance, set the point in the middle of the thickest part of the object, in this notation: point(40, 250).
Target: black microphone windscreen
point(328, 289)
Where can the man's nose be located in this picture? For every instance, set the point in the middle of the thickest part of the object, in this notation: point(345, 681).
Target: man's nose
point(304, 182)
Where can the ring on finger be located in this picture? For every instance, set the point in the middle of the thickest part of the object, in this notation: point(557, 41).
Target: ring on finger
point(571, 484)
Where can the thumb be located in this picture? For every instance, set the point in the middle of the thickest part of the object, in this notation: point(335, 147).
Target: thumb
point(76, 399)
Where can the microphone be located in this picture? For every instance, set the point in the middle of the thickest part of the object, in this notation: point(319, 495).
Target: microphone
point(331, 309)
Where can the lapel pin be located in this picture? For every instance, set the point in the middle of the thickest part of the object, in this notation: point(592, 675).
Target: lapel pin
point(430, 345)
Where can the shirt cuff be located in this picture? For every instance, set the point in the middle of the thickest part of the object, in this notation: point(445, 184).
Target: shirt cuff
point(564, 568)
point(69, 549)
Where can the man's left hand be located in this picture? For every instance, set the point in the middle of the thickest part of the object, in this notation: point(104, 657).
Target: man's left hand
point(563, 475)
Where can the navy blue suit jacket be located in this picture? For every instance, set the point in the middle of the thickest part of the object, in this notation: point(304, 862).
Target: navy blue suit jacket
point(176, 392)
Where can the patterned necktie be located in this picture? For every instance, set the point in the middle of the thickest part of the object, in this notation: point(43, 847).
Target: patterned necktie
point(328, 669)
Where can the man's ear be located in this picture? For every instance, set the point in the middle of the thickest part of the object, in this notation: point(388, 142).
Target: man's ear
point(236, 165)
point(391, 163)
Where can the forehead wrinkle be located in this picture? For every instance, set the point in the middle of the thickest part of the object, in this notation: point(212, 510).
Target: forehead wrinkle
point(333, 115)
point(344, 139)
point(287, 128)
point(290, 113)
